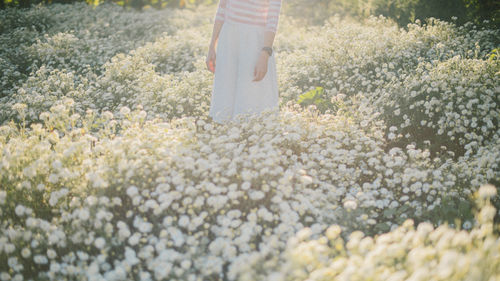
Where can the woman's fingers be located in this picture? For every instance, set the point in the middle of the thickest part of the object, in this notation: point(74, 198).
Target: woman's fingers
point(257, 77)
point(210, 61)
point(212, 66)
point(258, 74)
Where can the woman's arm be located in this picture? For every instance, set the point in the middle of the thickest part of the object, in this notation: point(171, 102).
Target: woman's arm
point(269, 38)
point(215, 33)
point(269, 34)
point(273, 14)
point(218, 22)
point(272, 22)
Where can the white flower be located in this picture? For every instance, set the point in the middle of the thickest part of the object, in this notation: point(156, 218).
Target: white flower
point(91, 200)
point(12, 262)
point(305, 179)
point(467, 225)
point(124, 110)
point(108, 114)
point(132, 191)
point(84, 214)
point(19, 210)
point(82, 255)
point(57, 164)
point(40, 259)
point(350, 204)
point(123, 233)
point(487, 191)
point(25, 252)
point(53, 178)
point(100, 243)
point(177, 236)
point(130, 256)
point(183, 221)
point(51, 254)
point(10, 248)
point(55, 267)
point(5, 276)
point(333, 232)
point(246, 175)
point(19, 106)
point(245, 185)
point(31, 222)
point(393, 204)
point(40, 187)
point(162, 270)
point(186, 264)
point(146, 227)
point(304, 233)
point(142, 114)
point(3, 196)
point(256, 195)
point(134, 239)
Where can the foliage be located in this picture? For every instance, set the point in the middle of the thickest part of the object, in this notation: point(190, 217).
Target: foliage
point(409, 76)
point(315, 97)
point(216, 197)
point(481, 12)
point(409, 252)
point(494, 55)
point(84, 43)
point(402, 12)
point(110, 167)
point(135, 4)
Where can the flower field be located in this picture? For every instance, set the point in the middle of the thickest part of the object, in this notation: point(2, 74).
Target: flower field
point(111, 169)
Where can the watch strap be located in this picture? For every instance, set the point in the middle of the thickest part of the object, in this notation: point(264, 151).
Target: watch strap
point(269, 50)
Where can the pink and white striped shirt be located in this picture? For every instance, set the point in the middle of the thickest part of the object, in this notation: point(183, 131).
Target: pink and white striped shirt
point(257, 12)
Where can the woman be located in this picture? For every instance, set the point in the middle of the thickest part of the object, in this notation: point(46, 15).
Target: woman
point(245, 79)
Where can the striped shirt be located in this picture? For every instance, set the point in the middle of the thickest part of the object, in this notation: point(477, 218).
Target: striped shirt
point(256, 12)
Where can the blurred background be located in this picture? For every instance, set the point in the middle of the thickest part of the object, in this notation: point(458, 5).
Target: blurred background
point(483, 12)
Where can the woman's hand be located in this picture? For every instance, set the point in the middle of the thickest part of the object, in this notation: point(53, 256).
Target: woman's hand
point(261, 66)
point(210, 61)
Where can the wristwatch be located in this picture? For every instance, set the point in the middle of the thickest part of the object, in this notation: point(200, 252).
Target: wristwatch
point(269, 50)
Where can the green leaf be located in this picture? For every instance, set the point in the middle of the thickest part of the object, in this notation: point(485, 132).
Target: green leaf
point(311, 96)
point(389, 212)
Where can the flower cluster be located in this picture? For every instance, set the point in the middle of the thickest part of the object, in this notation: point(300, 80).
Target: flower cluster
point(189, 199)
point(408, 75)
point(409, 252)
point(111, 169)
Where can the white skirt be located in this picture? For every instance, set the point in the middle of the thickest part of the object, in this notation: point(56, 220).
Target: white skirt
point(234, 93)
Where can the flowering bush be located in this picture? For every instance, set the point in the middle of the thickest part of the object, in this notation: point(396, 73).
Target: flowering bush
point(452, 103)
point(110, 167)
point(80, 38)
point(406, 253)
point(191, 199)
point(408, 75)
